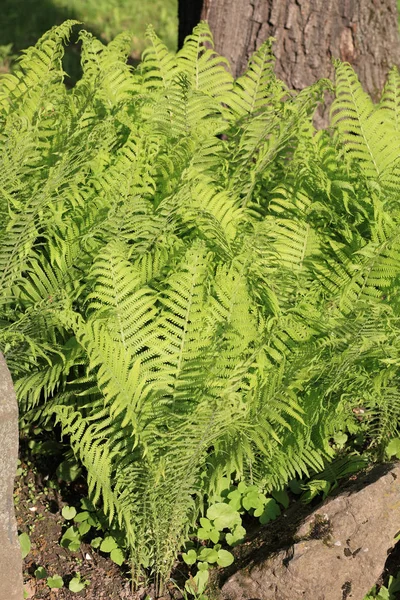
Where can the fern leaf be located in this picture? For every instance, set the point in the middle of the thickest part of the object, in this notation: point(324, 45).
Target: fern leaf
point(390, 100)
point(207, 70)
point(257, 89)
point(362, 129)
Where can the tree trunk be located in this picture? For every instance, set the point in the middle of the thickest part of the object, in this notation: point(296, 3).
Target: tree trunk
point(309, 33)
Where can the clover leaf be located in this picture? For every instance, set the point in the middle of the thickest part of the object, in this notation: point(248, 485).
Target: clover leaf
point(254, 500)
point(68, 512)
point(223, 515)
point(236, 536)
point(235, 499)
point(40, 573)
point(55, 582)
point(225, 558)
point(190, 557)
point(282, 497)
point(77, 584)
point(393, 448)
point(108, 544)
point(117, 556)
point(25, 544)
point(71, 539)
point(270, 512)
point(209, 555)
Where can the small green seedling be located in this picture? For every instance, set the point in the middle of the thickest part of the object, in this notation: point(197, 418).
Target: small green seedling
point(204, 558)
point(71, 539)
point(55, 582)
point(340, 439)
point(184, 593)
point(68, 470)
point(391, 592)
point(25, 544)
point(222, 515)
point(68, 512)
point(197, 584)
point(77, 584)
point(40, 573)
point(109, 545)
point(393, 448)
point(314, 488)
point(20, 470)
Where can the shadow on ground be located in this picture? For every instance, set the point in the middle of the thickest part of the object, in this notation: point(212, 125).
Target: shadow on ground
point(23, 22)
point(280, 534)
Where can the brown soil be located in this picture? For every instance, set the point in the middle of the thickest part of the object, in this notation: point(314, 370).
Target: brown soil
point(39, 499)
point(38, 511)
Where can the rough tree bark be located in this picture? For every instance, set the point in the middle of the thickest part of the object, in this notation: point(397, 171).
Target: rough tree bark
point(308, 34)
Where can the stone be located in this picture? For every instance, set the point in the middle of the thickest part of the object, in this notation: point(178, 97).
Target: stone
point(337, 552)
point(11, 582)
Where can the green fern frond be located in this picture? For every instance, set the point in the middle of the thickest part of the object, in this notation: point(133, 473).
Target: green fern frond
point(295, 243)
point(105, 68)
point(195, 284)
point(118, 377)
point(362, 128)
point(182, 323)
point(207, 70)
point(158, 66)
point(39, 68)
point(268, 134)
point(257, 89)
point(216, 215)
point(118, 298)
point(42, 384)
point(363, 273)
point(390, 100)
point(93, 450)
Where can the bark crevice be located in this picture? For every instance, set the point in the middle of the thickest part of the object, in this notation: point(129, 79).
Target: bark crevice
point(309, 33)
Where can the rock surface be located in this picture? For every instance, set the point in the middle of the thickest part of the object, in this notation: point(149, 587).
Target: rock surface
point(338, 551)
point(11, 584)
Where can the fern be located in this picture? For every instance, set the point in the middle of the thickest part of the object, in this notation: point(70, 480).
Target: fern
point(390, 100)
point(195, 284)
point(365, 130)
point(207, 71)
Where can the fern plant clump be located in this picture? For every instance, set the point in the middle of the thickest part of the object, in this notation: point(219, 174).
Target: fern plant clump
point(196, 285)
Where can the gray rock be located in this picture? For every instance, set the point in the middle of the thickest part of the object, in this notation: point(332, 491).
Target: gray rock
point(11, 583)
point(338, 551)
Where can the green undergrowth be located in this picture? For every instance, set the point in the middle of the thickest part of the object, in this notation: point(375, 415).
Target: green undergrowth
point(391, 592)
point(105, 17)
point(198, 287)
